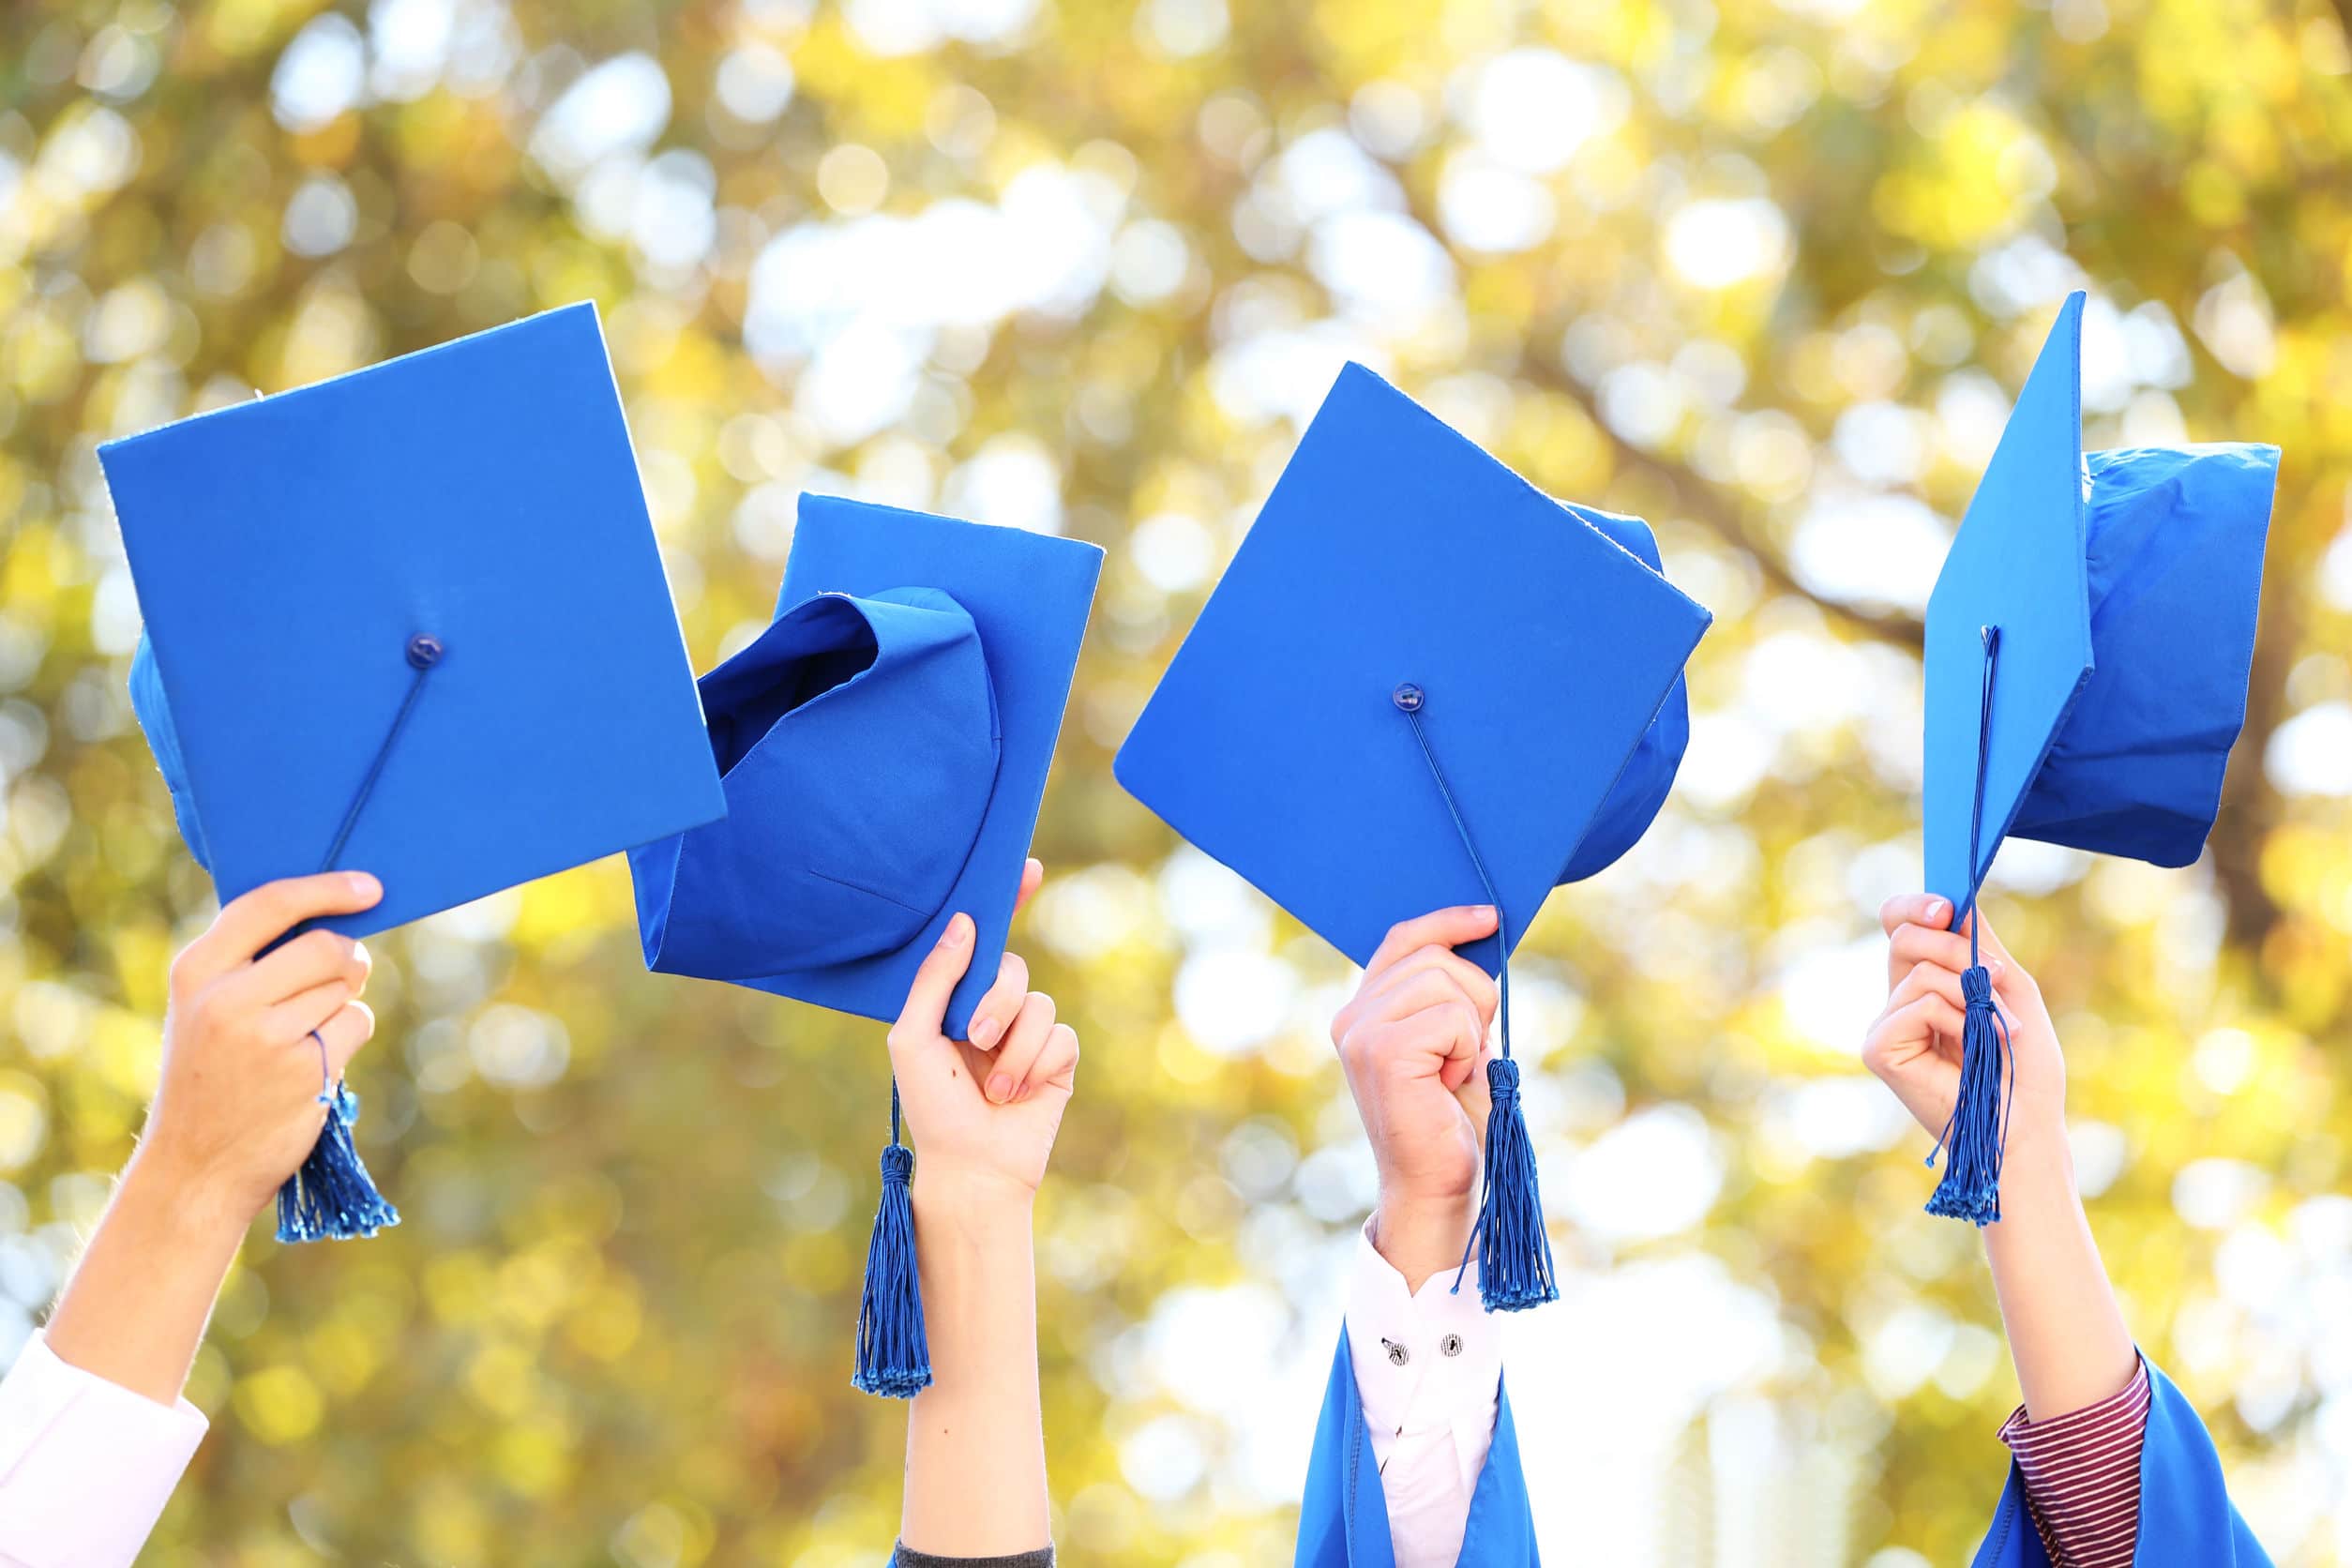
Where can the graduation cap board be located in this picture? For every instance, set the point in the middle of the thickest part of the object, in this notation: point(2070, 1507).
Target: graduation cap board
point(2088, 644)
point(883, 744)
point(1424, 683)
point(410, 621)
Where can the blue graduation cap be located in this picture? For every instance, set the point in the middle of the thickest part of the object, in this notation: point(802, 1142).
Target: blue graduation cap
point(1424, 683)
point(2088, 644)
point(410, 621)
point(884, 746)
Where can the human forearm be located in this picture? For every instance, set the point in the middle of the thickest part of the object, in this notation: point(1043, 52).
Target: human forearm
point(975, 1448)
point(135, 1310)
point(2066, 1332)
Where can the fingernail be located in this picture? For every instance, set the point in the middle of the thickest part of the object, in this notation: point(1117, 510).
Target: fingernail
point(1996, 967)
point(984, 1033)
point(998, 1086)
point(1938, 910)
point(363, 885)
point(958, 931)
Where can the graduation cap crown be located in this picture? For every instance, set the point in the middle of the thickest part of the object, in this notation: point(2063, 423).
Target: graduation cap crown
point(2088, 643)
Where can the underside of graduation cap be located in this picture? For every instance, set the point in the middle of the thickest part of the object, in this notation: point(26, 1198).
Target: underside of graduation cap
point(857, 741)
point(2017, 570)
point(884, 766)
point(412, 621)
point(1541, 649)
point(2175, 552)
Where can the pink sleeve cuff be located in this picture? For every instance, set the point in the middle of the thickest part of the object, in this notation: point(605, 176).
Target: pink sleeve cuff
point(2082, 1475)
point(85, 1466)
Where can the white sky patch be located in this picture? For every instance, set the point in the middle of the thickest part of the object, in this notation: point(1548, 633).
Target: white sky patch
point(1487, 206)
point(755, 82)
point(1532, 110)
point(1013, 481)
point(1284, 374)
point(1730, 754)
point(2031, 869)
point(2311, 754)
point(1832, 995)
point(620, 107)
point(2234, 319)
point(320, 75)
point(1232, 1000)
point(1871, 548)
point(1721, 242)
point(2335, 571)
point(2025, 273)
point(1174, 551)
point(1971, 411)
point(1654, 1174)
point(1625, 1361)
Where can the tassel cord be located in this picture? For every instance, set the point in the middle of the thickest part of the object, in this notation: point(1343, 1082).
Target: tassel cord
point(1515, 1267)
point(332, 1198)
point(1976, 1136)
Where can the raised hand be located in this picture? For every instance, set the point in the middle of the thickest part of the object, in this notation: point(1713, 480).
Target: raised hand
point(1914, 1047)
point(2066, 1332)
point(983, 1112)
point(249, 1036)
point(1413, 1040)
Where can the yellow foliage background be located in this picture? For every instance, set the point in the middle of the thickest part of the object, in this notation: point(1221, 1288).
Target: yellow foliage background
point(1763, 273)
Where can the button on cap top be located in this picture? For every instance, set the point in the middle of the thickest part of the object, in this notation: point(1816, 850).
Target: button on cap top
point(1408, 697)
point(424, 650)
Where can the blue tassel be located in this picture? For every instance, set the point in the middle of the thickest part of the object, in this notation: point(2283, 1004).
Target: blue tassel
point(331, 1198)
point(1515, 1257)
point(893, 1355)
point(1978, 1132)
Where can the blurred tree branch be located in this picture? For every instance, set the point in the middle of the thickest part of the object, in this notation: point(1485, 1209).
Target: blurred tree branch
point(1705, 501)
point(1723, 515)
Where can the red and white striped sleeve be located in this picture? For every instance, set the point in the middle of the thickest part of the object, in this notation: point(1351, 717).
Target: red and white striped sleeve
point(2082, 1474)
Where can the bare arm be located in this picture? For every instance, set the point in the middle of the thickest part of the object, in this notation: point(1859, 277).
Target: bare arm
point(984, 1116)
point(975, 1437)
point(236, 1112)
point(2066, 1332)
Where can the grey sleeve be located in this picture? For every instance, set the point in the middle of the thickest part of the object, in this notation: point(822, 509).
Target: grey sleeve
point(904, 1558)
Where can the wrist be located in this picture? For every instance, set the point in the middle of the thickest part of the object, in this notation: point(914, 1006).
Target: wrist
point(199, 1204)
point(1423, 1234)
point(979, 1202)
point(2037, 1186)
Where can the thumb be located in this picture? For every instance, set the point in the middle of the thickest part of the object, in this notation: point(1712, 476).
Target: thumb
point(925, 1015)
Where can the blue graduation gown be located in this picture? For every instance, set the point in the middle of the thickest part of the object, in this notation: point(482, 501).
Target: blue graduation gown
point(1343, 1521)
point(2186, 1518)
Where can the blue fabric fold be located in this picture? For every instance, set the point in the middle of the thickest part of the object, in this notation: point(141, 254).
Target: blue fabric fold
point(2174, 546)
point(857, 742)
